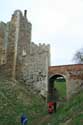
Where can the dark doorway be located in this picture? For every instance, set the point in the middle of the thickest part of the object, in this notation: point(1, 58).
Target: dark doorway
point(56, 88)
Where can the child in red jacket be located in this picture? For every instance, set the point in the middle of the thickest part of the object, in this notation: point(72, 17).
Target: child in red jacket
point(50, 107)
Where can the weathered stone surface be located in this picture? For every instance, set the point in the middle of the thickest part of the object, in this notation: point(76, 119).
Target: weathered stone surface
point(26, 61)
point(3, 42)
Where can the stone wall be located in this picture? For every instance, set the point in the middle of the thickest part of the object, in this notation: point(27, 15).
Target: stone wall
point(37, 65)
point(18, 44)
point(3, 42)
point(25, 61)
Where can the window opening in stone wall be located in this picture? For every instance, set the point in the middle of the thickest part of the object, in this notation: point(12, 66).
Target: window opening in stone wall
point(24, 52)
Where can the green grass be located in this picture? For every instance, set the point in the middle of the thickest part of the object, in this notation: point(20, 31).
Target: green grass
point(15, 99)
point(61, 87)
point(70, 113)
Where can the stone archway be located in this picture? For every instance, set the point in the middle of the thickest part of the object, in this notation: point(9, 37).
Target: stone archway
point(52, 90)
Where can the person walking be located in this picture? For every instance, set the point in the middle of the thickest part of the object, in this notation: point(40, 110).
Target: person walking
point(24, 119)
point(50, 107)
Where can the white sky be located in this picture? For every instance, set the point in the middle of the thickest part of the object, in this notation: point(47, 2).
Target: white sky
point(57, 22)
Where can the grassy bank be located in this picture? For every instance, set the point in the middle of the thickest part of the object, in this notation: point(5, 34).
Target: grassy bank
point(70, 113)
point(15, 99)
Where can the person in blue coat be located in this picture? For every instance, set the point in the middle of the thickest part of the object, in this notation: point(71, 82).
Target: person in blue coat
point(24, 119)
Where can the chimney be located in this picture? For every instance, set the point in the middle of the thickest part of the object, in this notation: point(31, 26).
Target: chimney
point(25, 13)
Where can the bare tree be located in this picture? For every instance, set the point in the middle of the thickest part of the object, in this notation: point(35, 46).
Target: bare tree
point(78, 57)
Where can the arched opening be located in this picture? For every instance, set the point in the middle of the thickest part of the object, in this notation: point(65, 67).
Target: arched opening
point(57, 88)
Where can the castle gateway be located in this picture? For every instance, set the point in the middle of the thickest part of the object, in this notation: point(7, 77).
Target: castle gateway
point(28, 62)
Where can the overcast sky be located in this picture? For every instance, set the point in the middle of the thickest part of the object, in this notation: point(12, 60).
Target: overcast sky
point(55, 22)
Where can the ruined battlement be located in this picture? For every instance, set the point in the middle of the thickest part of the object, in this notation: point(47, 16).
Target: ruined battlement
point(24, 60)
point(39, 48)
point(27, 62)
point(3, 42)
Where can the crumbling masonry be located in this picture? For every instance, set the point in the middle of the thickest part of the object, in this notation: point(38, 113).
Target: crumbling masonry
point(24, 60)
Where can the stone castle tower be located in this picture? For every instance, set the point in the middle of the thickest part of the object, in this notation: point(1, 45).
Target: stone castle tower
point(24, 60)
point(19, 39)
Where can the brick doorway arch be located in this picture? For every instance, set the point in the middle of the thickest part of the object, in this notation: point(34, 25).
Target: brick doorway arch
point(53, 92)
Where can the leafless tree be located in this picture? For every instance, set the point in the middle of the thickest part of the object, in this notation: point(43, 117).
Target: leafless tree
point(78, 57)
